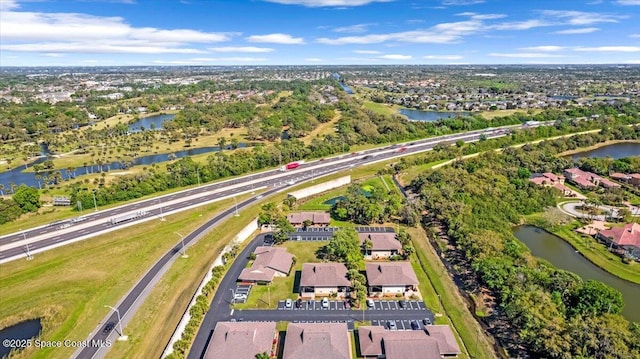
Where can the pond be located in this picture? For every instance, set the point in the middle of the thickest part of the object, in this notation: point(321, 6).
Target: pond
point(151, 121)
point(334, 200)
point(417, 115)
point(559, 253)
point(615, 151)
point(23, 330)
point(18, 177)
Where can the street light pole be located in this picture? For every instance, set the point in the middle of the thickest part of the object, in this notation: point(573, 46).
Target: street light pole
point(95, 203)
point(198, 174)
point(233, 296)
point(161, 214)
point(24, 235)
point(236, 201)
point(184, 252)
point(122, 337)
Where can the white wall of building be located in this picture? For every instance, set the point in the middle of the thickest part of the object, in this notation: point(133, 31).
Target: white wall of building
point(321, 187)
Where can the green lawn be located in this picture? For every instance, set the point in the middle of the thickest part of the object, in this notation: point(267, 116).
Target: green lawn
point(282, 287)
point(599, 254)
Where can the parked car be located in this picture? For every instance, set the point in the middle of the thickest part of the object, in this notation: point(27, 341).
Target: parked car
point(415, 325)
point(288, 303)
point(347, 305)
point(426, 321)
point(392, 325)
point(240, 296)
point(325, 303)
point(370, 303)
point(402, 304)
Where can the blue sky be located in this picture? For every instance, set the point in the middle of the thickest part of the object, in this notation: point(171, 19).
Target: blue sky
point(307, 32)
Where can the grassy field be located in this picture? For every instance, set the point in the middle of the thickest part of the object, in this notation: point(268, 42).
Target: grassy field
point(68, 287)
point(490, 115)
point(410, 173)
point(381, 108)
point(282, 287)
point(597, 253)
point(322, 130)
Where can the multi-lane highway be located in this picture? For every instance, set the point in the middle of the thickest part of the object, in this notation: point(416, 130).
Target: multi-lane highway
point(35, 240)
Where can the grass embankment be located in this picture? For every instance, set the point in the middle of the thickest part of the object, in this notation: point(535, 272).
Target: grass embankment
point(158, 317)
point(597, 253)
point(476, 342)
point(383, 109)
point(68, 287)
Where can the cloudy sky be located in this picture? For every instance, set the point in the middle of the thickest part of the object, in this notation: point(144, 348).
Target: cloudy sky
point(274, 32)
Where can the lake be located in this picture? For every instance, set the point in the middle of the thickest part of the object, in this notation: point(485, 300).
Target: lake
point(559, 253)
point(417, 115)
point(28, 178)
point(23, 330)
point(616, 150)
point(146, 122)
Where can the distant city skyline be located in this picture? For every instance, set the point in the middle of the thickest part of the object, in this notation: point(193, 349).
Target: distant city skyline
point(317, 32)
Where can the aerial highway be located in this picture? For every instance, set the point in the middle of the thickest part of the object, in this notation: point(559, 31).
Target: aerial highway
point(32, 241)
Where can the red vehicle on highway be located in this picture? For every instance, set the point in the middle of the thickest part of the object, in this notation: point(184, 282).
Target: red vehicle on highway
point(291, 166)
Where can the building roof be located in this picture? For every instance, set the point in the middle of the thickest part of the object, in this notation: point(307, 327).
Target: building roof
point(324, 275)
point(390, 273)
point(412, 344)
point(619, 176)
point(381, 241)
point(629, 235)
point(276, 258)
point(635, 175)
point(551, 176)
point(370, 339)
point(241, 340)
point(314, 217)
point(257, 274)
point(608, 184)
point(317, 341)
point(447, 343)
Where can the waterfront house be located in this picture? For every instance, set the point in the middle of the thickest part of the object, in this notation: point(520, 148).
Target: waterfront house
point(624, 240)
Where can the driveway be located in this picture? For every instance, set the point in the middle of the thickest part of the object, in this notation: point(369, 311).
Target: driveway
point(571, 209)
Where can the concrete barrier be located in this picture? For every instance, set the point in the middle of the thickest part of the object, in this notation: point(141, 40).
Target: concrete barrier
point(319, 188)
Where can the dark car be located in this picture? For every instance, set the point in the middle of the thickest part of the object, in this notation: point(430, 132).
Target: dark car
point(402, 304)
point(415, 325)
point(109, 327)
point(391, 324)
point(426, 321)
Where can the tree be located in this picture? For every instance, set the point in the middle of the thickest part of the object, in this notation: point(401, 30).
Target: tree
point(345, 246)
point(262, 356)
point(596, 298)
point(307, 223)
point(27, 198)
point(284, 229)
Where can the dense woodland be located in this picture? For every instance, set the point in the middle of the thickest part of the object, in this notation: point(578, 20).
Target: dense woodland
point(554, 312)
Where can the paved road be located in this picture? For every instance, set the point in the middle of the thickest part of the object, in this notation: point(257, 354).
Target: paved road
point(571, 209)
point(13, 246)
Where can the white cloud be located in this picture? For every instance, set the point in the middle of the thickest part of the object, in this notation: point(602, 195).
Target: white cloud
point(476, 16)
point(52, 54)
point(443, 57)
point(96, 48)
point(395, 57)
point(82, 33)
point(524, 55)
point(582, 30)
point(229, 59)
point(636, 61)
point(370, 52)
point(635, 35)
point(520, 25)
point(609, 49)
point(326, 3)
point(628, 2)
point(439, 34)
point(581, 18)
point(461, 2)
point(313, 59)
point(241, 49)
point(548, 48)
point(277, 38)
point(354, 29)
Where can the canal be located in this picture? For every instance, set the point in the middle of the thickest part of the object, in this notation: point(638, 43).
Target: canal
point(559, 253)
point(24, 330)
point(418, 115)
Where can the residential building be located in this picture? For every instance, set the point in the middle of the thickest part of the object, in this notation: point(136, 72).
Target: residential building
point(588, 180)
point(435, 342)
point(270, 262)
point(315, 218)
point(242, 340)
point(317, 341)
point(383, 245)
point(635, 179)
point(550, 179)
point(323, 279)
point(625, 240)
point(391, 277)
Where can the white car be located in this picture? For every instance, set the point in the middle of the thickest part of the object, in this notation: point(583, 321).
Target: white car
point(240, 296)
point(370, 303)
point(325, 303)
point(288, 303)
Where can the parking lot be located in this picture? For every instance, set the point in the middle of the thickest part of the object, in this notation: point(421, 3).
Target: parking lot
point(395, 305)
point(241, 293)
point(325, 233)
point(401, 324)
point(340, 305)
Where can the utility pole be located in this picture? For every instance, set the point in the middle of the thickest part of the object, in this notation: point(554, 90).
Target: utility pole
point(184, 252)
point(122, 337)
point(161, 214)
